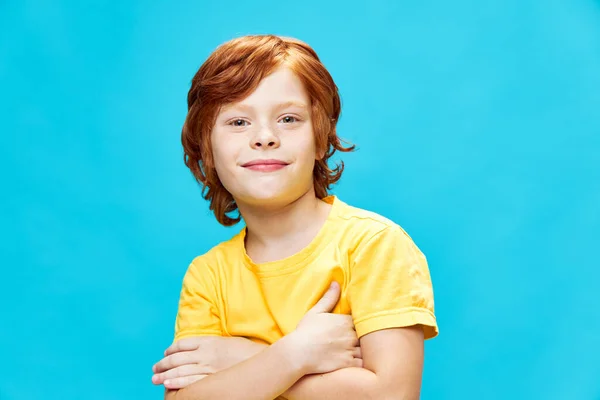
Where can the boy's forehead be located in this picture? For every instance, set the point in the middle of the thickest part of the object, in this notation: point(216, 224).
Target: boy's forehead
point(280, 89)
point(274, 104)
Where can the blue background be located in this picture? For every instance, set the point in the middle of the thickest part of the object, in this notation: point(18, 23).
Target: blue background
point(478, 125)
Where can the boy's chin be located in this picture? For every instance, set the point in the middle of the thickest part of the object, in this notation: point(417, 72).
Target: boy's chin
point(266, 198)
point(269, 198)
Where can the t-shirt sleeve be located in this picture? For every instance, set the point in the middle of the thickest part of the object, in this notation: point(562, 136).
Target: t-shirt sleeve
point(198, 313)
point(390, 285)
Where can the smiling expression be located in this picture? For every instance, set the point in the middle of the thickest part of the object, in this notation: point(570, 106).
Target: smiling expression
point(264, 145)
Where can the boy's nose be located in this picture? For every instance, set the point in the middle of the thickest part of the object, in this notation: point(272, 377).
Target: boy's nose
point(267, 144)
point(265, 139)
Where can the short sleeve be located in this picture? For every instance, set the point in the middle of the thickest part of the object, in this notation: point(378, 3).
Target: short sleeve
point(390, 285)
point(198, 313)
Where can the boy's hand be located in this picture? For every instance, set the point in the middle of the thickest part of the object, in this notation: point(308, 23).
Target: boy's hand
point(322, 342)
point(191, 359)
point(326, 342)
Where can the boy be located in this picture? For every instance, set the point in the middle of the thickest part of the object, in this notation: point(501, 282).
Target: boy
point(253, 322)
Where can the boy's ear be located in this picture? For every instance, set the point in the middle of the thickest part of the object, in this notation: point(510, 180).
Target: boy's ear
point(320, 154)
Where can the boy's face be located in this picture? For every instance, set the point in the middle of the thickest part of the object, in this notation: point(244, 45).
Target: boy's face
point(264, 146)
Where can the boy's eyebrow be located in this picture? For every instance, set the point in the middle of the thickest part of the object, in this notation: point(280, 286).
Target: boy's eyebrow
point(287, 104)
point(279, 106)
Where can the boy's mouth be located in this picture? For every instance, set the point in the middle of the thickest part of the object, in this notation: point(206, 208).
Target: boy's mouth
point(265, 165)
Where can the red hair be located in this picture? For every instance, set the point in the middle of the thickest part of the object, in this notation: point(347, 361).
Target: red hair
point(231, 73)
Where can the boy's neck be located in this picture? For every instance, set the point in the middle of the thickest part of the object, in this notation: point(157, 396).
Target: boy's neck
point(274, 234)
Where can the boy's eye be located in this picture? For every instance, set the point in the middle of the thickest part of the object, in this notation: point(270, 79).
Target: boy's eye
point(238, 122)
point(288, 119)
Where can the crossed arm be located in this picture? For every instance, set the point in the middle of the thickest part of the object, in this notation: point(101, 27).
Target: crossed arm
point(390, 284)
point(392, 369)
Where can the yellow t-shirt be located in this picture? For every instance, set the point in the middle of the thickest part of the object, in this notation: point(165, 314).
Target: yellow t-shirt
point(384, 279)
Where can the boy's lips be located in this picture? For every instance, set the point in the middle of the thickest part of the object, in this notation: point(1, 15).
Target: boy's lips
point(265, 165)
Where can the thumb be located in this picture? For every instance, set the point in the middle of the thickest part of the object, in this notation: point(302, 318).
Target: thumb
point(328, 301)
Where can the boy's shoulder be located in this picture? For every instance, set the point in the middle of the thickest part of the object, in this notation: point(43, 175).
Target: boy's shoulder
point(355, 214)
point(365, 223)
point(217, 254)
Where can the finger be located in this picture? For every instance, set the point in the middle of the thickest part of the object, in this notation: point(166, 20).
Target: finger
point(345, 322)
point(173, 361)
point(348, 321)
point(352, 339)
point(328, 301)
point(357, 352)
point(180, 383)
point(186, 344)
point(357, 362)
point(179, 372)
